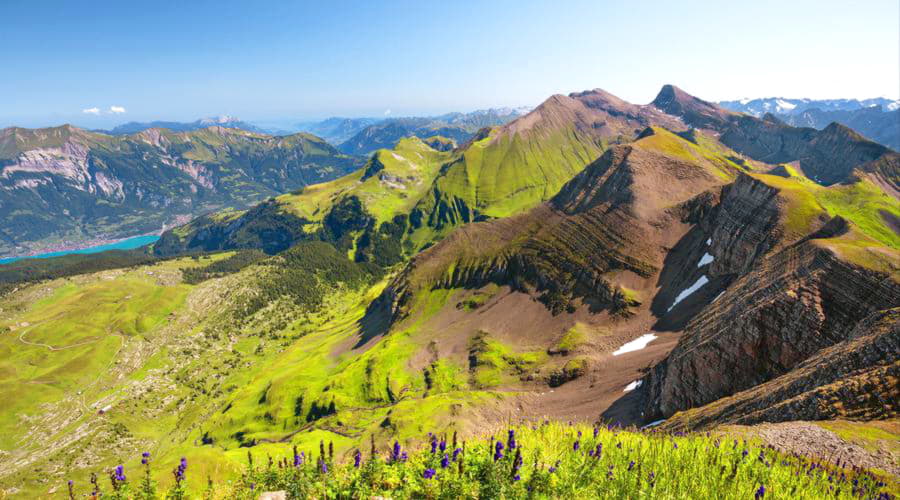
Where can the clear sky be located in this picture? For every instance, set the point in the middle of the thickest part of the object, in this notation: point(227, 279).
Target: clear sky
point(180, 60)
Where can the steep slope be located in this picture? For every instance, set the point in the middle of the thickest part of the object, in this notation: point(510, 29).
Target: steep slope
point(499, 172)
point(856, 378)
point(341, 211)
point(808, 271)
point(67, 184)
point(828, 156)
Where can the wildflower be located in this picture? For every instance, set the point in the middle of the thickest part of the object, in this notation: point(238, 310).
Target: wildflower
point(71, 489)
point(599, 451)
point(120, 474)
point(761, 492)
point(445, 462)
point(357, 458)
point(511, 441)
point(517, 477)
point(434, 445)
point(456, 453)
point(404, 457)
point(442, 445)
point(428, 473)
point(395, 452)
point(498, 451)
point(298, 458)
point(323, 466)
point(596, 431)
point(744, 453)
point(631, 465)
point(179, 471)
point(555, 466)
point(576, 445)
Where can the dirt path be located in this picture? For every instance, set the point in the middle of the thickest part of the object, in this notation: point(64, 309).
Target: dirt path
point(809, 439)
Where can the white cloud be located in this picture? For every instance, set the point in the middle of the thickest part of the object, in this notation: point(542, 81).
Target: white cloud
point(387, 112)
point(91, 111)
point(116, 109)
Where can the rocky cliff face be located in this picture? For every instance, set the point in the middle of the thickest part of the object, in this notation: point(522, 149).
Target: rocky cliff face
point(856, 378)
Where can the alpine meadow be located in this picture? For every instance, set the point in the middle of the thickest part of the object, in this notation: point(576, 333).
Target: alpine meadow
point(420, 266)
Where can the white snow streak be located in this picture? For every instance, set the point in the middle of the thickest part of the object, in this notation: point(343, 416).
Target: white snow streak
point(702, 280)
point(636, 344)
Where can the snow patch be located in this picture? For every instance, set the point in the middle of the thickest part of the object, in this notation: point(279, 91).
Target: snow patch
point(636, 344)
point(893, 106)
point(708, 241)
point(706, 259)
point(634, 385)
point(702, 280)
point(784, 105)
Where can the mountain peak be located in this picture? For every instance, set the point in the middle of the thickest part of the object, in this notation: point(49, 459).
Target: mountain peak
point(693, 110)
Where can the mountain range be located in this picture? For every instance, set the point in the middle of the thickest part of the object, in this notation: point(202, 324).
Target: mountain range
point(878, 119)
point(65, 184)
point(365, 135)
point(217, 121)
point(675, 264)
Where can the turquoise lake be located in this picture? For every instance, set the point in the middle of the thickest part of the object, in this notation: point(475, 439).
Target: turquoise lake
point(126, 244)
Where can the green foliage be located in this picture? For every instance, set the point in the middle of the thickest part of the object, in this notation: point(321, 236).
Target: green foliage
point(219, 268)
point(305, 274)
point(492, 363)
point(554, 460)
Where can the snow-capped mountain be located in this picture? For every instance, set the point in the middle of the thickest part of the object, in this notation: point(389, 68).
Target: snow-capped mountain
point(784, 106)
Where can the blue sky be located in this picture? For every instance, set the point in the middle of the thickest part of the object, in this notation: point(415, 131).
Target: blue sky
point(296, 60)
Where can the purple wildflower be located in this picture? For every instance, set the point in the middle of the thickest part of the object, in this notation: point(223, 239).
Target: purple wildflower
point(511, 442)
point(179, 471)
point(428, 473)
point(357, 459)
point(576, 445)
point(596, 431)
point(498, 450)
point(395, 452)
point(434, 445)
point(120, 474)
point(456, 453)
point(298, 458)
point(442, 445)
point(760, 493)
point(517, 477)
point(631, 465)
point(445, 462)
